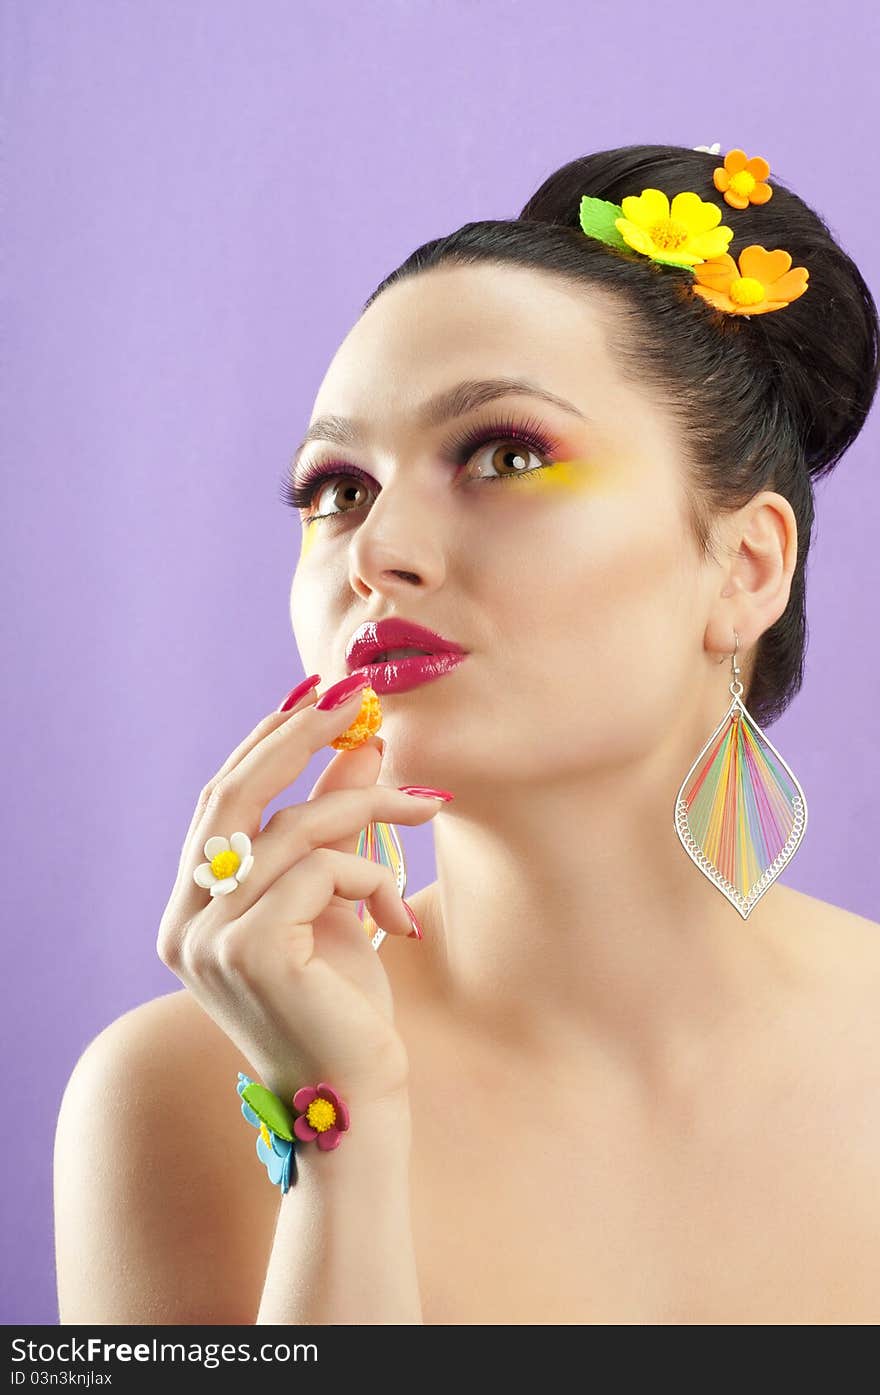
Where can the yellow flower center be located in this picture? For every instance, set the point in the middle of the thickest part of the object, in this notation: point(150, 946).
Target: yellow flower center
point(669, 235)
point(743, 183)
point(745, 290)
point(265, 1133)
point(225, 864)
point(321, 1114)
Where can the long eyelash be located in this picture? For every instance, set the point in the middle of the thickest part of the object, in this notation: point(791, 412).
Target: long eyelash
point(529, 432)
point(299, 491)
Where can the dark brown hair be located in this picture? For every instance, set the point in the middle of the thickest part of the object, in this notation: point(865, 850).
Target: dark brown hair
point(769, 402)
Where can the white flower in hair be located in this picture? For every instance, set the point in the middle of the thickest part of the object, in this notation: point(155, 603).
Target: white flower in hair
point(229, 861)
point(710, 149)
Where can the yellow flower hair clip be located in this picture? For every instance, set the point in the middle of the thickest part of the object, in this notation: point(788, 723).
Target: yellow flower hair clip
point(689, 233)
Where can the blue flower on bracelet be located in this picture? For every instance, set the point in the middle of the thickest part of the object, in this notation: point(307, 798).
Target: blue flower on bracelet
point(275, 1144)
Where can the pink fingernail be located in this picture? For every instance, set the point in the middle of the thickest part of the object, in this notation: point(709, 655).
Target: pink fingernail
point(416, 933)
point(342, 691)
point(299, 691)
point(426, 790)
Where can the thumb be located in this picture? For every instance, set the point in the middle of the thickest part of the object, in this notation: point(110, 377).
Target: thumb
point(350, 770)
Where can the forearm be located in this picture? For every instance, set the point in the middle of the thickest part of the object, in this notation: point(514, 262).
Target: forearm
point(343, 1250)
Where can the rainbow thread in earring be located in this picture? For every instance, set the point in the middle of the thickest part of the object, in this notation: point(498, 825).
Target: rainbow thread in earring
point(380, 842)
point(740, 812)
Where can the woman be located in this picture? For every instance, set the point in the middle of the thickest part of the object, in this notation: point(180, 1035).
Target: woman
point(592, 1092)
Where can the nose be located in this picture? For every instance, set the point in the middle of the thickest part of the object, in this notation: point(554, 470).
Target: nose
point(399, 544)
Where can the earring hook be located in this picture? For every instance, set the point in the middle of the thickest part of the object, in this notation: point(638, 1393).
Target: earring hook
point(736, 687)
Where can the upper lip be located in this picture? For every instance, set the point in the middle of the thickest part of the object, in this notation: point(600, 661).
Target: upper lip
point(376, 636)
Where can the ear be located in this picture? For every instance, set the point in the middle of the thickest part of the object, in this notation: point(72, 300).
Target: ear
point(758, 561)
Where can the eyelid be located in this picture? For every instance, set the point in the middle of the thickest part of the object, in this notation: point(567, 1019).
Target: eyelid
point(508, 428)
point(302, 488)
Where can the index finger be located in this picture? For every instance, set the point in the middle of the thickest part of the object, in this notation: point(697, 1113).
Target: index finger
point(257, 734)
point(275, 762)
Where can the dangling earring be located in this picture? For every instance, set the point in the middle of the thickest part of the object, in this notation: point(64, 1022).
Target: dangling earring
point(380, 842)
point(740, 812)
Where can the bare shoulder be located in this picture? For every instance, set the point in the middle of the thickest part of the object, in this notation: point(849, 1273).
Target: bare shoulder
point(163, 1038)
point(171, 1023)
point(839, 941)
point(836, 958)
point(160, 1215)
point(837, 953)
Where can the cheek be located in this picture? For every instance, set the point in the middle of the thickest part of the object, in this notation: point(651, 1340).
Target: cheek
point(601, 605)
point(307, 619)
point(574, 478)
point(309, 535)
point(569, 480)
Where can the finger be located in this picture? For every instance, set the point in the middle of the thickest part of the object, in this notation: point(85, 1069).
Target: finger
point(297, 898)
point(282, 919)
point(237, 800)
point(260, 731)
point(267, 725)
point(349, 770)
point(357, 769)
point(295, 832)
point(277, 761)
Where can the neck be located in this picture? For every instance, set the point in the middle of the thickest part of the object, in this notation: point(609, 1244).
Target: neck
point(568, 916)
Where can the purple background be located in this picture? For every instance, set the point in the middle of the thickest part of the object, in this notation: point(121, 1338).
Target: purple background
point(197, 199)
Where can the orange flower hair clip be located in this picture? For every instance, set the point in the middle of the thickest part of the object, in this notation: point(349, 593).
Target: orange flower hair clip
point(742, 181)
point(688, 233)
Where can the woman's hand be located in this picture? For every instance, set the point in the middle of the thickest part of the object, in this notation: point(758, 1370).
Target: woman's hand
point(283, 964)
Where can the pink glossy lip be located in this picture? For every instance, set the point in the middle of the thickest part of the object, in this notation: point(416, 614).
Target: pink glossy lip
point(399, 675)
point(375, 637)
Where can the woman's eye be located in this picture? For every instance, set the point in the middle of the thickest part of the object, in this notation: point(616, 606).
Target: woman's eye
point(509, 459)
point(328, 493)
point(347, 488)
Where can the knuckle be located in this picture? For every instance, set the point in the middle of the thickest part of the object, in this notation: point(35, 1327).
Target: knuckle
point(231, 948)
point(317, 856)
point(222, 791)
point(325, 859)
point(169, 940)
point(194, 961)
point(286, 818)
point(188, 957)
point(216, 791)
point(168, 949)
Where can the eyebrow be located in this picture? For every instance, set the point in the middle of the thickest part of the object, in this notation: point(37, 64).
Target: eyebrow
point(444, 406)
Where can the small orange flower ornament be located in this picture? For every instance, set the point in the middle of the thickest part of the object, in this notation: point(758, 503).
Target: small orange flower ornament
point(741, 180)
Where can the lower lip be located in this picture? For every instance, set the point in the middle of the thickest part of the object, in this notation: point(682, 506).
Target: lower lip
point(399, 675)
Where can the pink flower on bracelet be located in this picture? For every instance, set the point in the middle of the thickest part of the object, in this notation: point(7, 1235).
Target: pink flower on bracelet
point(322, 1115)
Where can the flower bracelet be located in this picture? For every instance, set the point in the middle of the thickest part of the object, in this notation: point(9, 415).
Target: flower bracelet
point(322, 1116)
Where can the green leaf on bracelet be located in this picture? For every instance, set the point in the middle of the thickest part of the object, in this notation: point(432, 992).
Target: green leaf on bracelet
point(268, 1107)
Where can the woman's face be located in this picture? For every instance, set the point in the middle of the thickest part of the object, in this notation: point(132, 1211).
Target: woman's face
point(579, 592)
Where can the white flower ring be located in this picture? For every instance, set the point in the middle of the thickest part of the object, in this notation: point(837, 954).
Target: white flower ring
point(711, 149)
point(229, 861)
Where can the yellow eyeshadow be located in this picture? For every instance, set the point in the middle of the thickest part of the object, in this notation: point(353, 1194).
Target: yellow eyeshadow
point(309, 537)
point(569, 476)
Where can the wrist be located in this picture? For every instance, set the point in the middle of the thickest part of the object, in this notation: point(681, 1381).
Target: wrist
point(326, 1134)
point(373, 1156)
